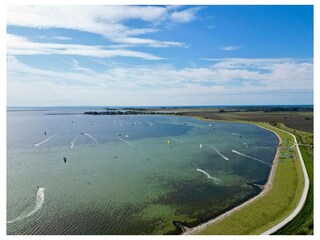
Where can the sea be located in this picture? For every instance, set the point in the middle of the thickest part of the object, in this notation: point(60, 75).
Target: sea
point(74, 174)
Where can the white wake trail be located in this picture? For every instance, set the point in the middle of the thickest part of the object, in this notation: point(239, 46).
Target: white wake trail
point(176, 140)
point(44, 141)
point(121, 139)
point(208, 175)
point(256, 159)
point(220, 154)
point(88, 135)
point(74, 140)
point(39, 203)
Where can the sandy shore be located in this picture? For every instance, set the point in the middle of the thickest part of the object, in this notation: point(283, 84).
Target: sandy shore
point(266, 189)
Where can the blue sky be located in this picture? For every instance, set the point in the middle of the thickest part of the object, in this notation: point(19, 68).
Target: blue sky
point(159, 55)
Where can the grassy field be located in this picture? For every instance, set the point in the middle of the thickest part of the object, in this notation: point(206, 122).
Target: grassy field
point(303, 222)
point(298, 120)
point(276, 205)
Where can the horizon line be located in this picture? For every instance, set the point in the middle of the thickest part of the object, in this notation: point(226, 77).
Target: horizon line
point(218, 105)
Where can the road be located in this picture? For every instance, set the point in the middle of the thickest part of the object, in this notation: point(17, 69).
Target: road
point(303, 196)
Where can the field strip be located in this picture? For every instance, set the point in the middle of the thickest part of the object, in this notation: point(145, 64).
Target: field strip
point(267, 188)
point(303, 196)
point(242, 219)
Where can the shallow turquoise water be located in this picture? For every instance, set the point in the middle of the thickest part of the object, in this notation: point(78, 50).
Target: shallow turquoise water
point(127, 174)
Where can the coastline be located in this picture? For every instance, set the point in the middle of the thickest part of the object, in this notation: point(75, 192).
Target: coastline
point(302, 199)
point(266, 188)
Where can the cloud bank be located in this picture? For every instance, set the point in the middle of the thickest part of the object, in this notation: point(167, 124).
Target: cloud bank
point(17, 45)
point(111, 22)
point(122, 85)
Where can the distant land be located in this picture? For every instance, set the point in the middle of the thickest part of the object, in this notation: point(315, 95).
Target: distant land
point(295, 116)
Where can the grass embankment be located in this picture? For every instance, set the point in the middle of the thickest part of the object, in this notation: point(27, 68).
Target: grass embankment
point(276, 205)
point(303, 222)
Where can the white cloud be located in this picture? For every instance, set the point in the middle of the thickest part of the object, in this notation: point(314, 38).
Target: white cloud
point(63, 38)
point(17, 45)
point(272, 73)
point(103, 19)
point(149, 42)
point(265, 80)
point(184, 16)
point(107, 21)
point(230, 48)
point(261, 63)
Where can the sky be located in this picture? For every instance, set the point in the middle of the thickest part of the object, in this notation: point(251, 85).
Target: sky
point(159, 55)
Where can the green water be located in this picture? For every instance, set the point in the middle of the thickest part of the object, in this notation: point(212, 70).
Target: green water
point(141, 183)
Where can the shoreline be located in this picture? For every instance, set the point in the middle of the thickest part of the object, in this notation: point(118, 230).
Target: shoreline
point(303, 198)
point(266, 188)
